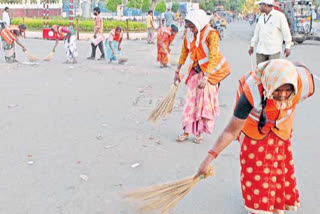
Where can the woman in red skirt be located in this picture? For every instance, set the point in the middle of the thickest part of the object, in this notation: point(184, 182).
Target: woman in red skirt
point(262, 122)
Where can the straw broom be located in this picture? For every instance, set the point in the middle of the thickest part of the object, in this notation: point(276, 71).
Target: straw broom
point(121, 59)
point(162, 198)
point(49, 57)
point(173, 61)
point(31, 57)
point(166, 104)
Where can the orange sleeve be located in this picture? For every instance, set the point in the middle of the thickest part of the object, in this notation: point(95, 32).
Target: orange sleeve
point(184, 52)
point(213, 41)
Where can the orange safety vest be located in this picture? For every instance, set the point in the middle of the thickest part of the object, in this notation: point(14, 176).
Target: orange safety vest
point(7, 34)
point(201, 53)
point(278, 121)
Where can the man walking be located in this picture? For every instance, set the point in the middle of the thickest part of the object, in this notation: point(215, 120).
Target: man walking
point(270, 32)
point(98, 35)
point(150, 27)
point(169, 17)
point(6, 17)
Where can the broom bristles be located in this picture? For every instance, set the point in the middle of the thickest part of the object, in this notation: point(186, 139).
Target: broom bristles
point(31, 57)
point(173, 61)
point(49, 57)
point(166, 104)
point(161, 198)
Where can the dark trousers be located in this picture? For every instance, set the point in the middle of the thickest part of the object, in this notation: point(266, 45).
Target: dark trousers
point(263, 57)
point(94, 48)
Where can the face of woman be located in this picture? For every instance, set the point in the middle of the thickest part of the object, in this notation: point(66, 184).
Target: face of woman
point(283, 92)
point(192, 27)
point(118, 31)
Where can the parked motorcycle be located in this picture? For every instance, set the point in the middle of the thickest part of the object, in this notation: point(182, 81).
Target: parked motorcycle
point(251, 21)
point(219, 28)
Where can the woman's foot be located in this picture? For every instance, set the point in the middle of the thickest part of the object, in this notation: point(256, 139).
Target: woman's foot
point(163, 66)
point(182, 138)
point(198, 139)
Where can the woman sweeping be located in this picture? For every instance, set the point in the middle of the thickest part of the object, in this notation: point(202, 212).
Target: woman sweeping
point(207, 69)
point(10, 35)
point(113, 45)
point(263, 120)
point(164, 39)
point(69, 37)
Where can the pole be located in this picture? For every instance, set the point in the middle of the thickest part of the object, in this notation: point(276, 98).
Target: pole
point(77, 28)
point(71, 13)
point(44, 14)
point(24, 33)
point(47, 12)
point(128, 29)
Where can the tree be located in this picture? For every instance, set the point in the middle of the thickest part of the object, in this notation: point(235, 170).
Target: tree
point(137, 4)
point(175, 6)
point(207, 5)
point(112, 5)
point(153, 4)
point(145, 5)
point(161, 7)
point(249, 6)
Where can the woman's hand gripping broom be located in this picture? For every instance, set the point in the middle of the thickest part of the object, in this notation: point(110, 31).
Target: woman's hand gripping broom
point(162, 198)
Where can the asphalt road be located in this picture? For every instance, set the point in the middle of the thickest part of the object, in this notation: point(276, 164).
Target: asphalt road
point(70, 133)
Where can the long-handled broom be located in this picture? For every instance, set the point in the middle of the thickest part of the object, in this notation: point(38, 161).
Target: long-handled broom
point(50, 56)
point(172, 60)
point(121, 59)
point(162, 198)
point(166, 104)
point(31, 57)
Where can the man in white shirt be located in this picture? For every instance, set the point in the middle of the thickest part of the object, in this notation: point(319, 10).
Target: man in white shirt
point(270, 32)
point(6, 17)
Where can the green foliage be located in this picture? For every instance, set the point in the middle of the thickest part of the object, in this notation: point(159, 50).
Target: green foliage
point(11, 1)
point(112, 5)
point(84, 25)
point(175, 7)
point(207, 4)
point(161, 6)
point(134, 4)
point(145, 5)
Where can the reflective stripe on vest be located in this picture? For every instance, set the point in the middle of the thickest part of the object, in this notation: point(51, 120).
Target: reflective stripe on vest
point(285, 117)
point(190, 38)
point(223, 60)
point(205, 47)
point(305, 77)
point(254, 89)
point(7, 35)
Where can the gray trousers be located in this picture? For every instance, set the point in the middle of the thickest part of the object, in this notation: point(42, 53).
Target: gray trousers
point(263, 57)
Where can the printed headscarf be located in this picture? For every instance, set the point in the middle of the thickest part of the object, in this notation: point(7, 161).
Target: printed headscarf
point(275, 73)
point(200, 19)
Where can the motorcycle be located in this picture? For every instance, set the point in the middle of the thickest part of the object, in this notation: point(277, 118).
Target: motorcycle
point(251, 21)
point(219, 28)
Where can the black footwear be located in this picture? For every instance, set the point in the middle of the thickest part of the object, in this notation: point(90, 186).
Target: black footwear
point(102, 58)
point(91, 58)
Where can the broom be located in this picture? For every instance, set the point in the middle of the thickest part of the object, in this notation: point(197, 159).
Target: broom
point(121, 59)
point(162, 198)
point(173, 61)
point(31, 57)
point(166, 104)
point(49, 57)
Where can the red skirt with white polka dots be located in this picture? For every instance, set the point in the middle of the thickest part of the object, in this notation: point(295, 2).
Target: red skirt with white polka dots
point(268, 180)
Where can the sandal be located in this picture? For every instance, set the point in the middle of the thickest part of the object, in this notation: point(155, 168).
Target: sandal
point(198, 140)
point(182, 138)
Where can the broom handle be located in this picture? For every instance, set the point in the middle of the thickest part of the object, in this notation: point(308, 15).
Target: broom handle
point(251, 60)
